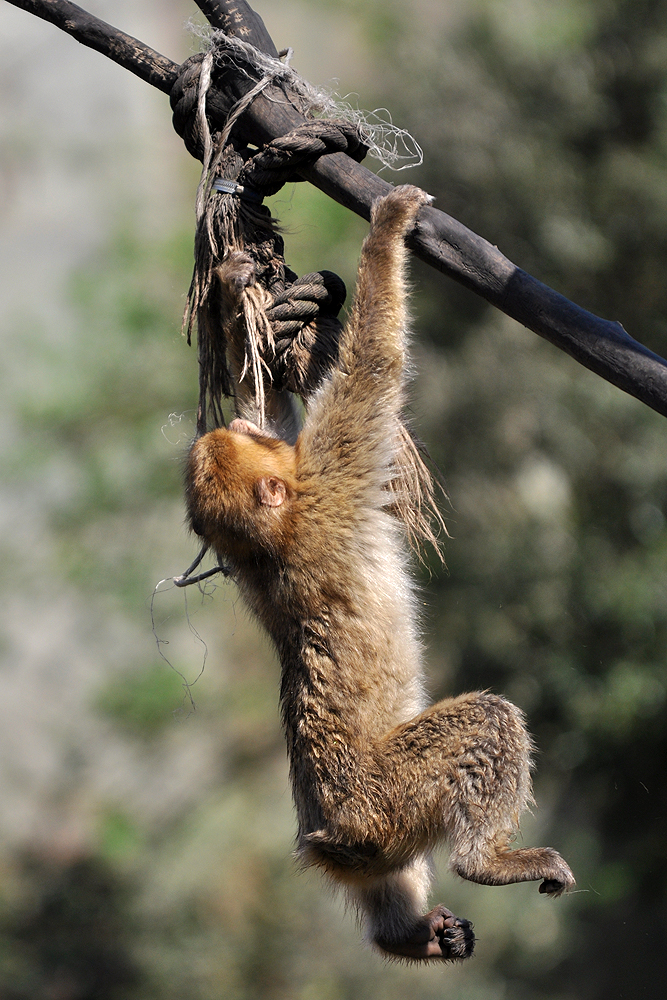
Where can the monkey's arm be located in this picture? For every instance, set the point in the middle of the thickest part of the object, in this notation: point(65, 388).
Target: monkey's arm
point(350, 429)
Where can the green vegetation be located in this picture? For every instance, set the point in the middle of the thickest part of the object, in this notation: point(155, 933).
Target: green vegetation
point(143, 702)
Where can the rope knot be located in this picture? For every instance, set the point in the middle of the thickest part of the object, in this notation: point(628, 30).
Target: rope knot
point(183, 98)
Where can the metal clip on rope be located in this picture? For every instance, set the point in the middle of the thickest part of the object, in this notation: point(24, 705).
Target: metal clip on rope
point(233, 187)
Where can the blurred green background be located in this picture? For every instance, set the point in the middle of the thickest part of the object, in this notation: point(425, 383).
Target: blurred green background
point(146, 823)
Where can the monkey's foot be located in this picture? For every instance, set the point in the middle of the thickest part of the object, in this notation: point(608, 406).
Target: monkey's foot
point(557, 878)
point(527, 864)
point(557, 886)
point(439, 934)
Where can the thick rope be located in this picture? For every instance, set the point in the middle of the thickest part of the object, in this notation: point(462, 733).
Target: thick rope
point(391, 145)
point(276, 164)
point(306, 330)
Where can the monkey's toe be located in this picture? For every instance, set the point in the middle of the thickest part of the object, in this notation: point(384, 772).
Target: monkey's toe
point(439, 935)
point(555, 887)
point(559, 880)
point(454, 935)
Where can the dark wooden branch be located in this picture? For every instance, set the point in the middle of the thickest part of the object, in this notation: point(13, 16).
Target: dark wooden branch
point(602, 346)
point(238, 18)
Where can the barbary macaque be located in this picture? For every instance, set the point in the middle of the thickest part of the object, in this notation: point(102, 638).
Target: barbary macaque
point(378, 778)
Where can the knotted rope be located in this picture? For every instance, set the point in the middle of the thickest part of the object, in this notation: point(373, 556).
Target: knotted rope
point(256, 300)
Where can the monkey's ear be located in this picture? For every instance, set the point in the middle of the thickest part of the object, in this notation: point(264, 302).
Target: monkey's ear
point(271, 491)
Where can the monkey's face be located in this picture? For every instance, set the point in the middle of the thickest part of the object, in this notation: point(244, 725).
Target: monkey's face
point(240, 484)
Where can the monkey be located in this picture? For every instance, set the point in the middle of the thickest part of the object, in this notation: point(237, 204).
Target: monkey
point(378, 777)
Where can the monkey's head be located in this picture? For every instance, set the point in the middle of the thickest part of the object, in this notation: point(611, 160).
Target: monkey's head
point(240, 483)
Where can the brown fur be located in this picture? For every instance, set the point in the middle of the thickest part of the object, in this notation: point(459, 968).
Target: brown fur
point(378, 779)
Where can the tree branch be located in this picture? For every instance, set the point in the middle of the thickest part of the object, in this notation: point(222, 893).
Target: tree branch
point(238, 18)
point(442, 242)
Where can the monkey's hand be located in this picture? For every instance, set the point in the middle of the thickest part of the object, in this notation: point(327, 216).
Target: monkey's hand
point(396, 212)
point(438, 935)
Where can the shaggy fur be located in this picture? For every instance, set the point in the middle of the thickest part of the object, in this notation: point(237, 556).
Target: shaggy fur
point(378, 779)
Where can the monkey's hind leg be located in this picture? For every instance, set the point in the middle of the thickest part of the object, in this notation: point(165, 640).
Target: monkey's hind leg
point(492, 787)
point(492, 862)
point(466, 762)
point(393, 906)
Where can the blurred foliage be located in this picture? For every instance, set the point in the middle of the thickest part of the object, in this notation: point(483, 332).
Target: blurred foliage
point(544, 128)
point(141, 701)
point(70, 936)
